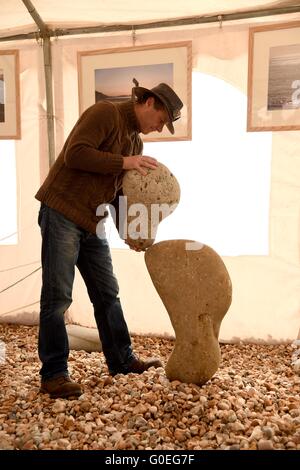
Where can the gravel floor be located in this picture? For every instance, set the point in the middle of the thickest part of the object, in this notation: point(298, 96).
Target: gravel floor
point(252, 402)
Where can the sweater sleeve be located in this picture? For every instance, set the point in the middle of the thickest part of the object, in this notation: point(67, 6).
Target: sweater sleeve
point(91, 131)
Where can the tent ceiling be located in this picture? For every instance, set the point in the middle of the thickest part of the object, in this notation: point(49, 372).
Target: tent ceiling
point(57, 13)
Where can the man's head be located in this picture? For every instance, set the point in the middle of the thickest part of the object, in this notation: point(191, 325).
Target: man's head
point(156, 107)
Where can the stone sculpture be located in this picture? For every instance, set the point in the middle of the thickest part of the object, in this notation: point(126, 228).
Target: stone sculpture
point(190, 277)
point(150, 199)
point(195, 288)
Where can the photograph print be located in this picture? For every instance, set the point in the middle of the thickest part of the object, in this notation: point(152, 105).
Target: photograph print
point(10, 122)
point(114, 84)
point(274, 78)
point(284, 77)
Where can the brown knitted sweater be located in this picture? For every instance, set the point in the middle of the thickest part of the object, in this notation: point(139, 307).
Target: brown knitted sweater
point(88, 170)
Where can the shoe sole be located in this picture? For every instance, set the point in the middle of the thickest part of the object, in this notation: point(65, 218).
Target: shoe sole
point(62, 395)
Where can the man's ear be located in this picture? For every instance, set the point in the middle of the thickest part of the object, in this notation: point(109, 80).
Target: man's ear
point(150, 102)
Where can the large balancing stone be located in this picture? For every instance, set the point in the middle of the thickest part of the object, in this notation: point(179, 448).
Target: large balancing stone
point(150, 199)
point(195, 287)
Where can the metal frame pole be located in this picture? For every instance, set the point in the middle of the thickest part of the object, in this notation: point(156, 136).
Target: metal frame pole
point(189, 21)
point(45, 35)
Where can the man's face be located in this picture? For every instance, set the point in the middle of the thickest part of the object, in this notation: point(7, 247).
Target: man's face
point(151, 119)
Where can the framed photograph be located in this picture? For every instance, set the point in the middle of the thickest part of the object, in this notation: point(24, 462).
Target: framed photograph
point(274, 78)
point(107, 75)
point(10, 127)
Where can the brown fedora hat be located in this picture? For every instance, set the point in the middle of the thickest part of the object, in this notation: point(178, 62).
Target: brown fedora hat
point(167, 96)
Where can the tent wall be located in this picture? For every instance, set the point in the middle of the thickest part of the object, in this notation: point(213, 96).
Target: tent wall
point(265, 288)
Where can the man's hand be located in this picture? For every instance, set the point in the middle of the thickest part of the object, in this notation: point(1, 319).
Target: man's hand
point(139, 162)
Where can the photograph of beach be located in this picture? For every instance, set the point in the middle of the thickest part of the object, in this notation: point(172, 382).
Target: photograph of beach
point(284, 77)
point(2, 105)
point(115, 84)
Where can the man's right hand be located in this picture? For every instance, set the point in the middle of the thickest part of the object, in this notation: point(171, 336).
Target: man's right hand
point(139, 162)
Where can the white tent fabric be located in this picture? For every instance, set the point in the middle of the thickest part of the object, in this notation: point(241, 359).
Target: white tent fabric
point(266, 301)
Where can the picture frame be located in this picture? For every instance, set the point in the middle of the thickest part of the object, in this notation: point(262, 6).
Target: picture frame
point(10, 126)
point(274, 77)
point(108, 74)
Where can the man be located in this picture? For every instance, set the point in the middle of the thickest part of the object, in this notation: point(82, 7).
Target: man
point(88, 172)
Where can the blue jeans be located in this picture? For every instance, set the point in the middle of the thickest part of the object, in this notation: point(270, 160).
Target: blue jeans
point(64, 246)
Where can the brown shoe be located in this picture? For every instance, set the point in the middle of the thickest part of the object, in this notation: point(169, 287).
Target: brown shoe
point(137, 366)
point(61, 387)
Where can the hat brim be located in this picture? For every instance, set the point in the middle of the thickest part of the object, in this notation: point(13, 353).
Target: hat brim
point(139, 91)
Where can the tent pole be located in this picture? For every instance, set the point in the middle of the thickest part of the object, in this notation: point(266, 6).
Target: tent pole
point(49, 99)
point(36, 17)
point(192, 20)
point(45, 35)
